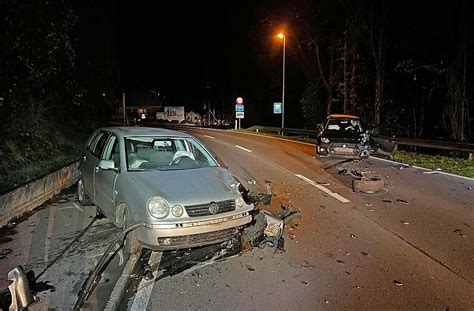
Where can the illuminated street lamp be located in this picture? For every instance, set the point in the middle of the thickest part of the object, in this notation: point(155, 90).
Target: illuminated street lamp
point(282, 36)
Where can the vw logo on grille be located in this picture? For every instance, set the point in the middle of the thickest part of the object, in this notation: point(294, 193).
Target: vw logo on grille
point(213, 208)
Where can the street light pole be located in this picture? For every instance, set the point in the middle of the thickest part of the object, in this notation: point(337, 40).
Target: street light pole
point(282, 36)
point(283, 87)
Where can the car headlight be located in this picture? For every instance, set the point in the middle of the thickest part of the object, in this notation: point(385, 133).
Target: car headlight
point(177, 210)
point(158, 207)
point(324, 140)
point(239, 201)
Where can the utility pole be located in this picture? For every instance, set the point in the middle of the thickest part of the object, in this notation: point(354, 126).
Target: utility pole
point(123, 107)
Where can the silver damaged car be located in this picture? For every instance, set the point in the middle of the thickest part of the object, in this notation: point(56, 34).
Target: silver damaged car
point(165, 180)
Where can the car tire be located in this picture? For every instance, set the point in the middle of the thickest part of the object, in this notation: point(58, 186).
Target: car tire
point(131, 244)
point(370, 185)
point(82, 197)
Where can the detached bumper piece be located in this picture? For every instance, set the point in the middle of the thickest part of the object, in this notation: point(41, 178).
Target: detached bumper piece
point(197, 239)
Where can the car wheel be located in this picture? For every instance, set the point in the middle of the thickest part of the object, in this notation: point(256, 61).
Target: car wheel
point(82, 197)
point(370, 185)
point(130, 243)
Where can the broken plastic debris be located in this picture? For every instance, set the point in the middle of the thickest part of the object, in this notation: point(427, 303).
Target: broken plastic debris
point(274, 225)
point(250, 268)
point(397, 282)
point(404, 222)
point(342, 172)
point(353, 236)
point(436, 171)
point(459, 232)
point(402, 201)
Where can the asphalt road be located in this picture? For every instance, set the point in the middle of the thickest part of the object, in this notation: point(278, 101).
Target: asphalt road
point(409, 247)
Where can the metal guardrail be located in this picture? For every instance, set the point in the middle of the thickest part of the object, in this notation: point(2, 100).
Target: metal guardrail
point(398, 141)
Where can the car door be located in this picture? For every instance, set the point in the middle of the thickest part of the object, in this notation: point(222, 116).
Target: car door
point(89, 161)
point(105, 179)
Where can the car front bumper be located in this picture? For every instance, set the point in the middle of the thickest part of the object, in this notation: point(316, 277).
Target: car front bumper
point(342, 150)
point(191, 233)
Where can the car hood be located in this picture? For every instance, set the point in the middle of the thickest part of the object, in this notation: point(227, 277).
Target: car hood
point(338, 136)
point(188, 187)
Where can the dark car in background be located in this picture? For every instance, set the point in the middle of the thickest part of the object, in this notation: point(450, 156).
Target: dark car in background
point(342, 136)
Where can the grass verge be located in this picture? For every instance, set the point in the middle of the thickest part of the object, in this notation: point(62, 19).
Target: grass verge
point(453, 165)
point(28, 154)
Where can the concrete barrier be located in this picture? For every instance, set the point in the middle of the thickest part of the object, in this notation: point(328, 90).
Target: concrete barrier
point(25, 198)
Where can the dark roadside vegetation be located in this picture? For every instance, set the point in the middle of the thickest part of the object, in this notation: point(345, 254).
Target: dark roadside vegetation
point(63, 66)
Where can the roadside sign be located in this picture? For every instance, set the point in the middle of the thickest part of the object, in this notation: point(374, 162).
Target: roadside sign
point(239, 114)
point(277, 108)
point(239, 108)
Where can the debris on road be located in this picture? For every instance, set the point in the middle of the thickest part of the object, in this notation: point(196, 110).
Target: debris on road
point(436, 171)
point(342, 172)
point(459, 232)
point(353, 236)
point(397, 282)
point(387, 201)
point(368, 185)
point(250, 268)
point(404, 222)
point(402, 201)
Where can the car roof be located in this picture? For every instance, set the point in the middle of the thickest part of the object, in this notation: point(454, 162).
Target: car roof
point(126, 131)
point(342, 116)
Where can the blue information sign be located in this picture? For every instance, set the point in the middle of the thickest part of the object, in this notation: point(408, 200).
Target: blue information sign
point(239, 108)
point(277, 108)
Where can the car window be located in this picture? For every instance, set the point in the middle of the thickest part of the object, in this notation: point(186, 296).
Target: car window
point(112, 151)
point(166, 153)
point(93, 140)
point(99, 146)
point(343, 125)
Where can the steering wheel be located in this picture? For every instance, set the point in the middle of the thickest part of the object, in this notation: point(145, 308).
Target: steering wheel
point(185, 161)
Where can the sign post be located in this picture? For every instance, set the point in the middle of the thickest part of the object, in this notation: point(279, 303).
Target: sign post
point(239, 112)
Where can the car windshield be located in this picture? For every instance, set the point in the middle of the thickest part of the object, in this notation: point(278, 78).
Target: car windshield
point(343, 125)
point(165, 153)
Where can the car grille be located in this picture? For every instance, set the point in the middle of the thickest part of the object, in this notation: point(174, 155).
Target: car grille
point(343, 149)
point(200, 238)
point(203, 209)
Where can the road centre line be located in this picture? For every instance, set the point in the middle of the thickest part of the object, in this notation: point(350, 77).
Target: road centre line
point(335, 195)
point(142, 297)
point(209, 136)
point(244, 149)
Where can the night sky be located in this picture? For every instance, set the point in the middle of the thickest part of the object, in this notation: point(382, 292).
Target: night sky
point(195, 52)
point(176, 48)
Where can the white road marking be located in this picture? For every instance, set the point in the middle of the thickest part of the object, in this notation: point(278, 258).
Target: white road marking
point(49, 233)
point(209, 136)
point(140, 302)
point(244, 149)
point(66, 207)
point(78, 207)
point(335, 195)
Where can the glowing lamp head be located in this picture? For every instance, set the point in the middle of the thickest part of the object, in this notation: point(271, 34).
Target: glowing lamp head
point(280, 35)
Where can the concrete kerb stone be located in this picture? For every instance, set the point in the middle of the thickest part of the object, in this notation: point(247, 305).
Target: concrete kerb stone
point(24, 199)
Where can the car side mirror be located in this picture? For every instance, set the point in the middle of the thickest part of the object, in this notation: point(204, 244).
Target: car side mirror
point(107, 165)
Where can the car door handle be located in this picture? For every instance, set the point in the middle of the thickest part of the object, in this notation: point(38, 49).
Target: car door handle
point(84, 158)
point(97, 169)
